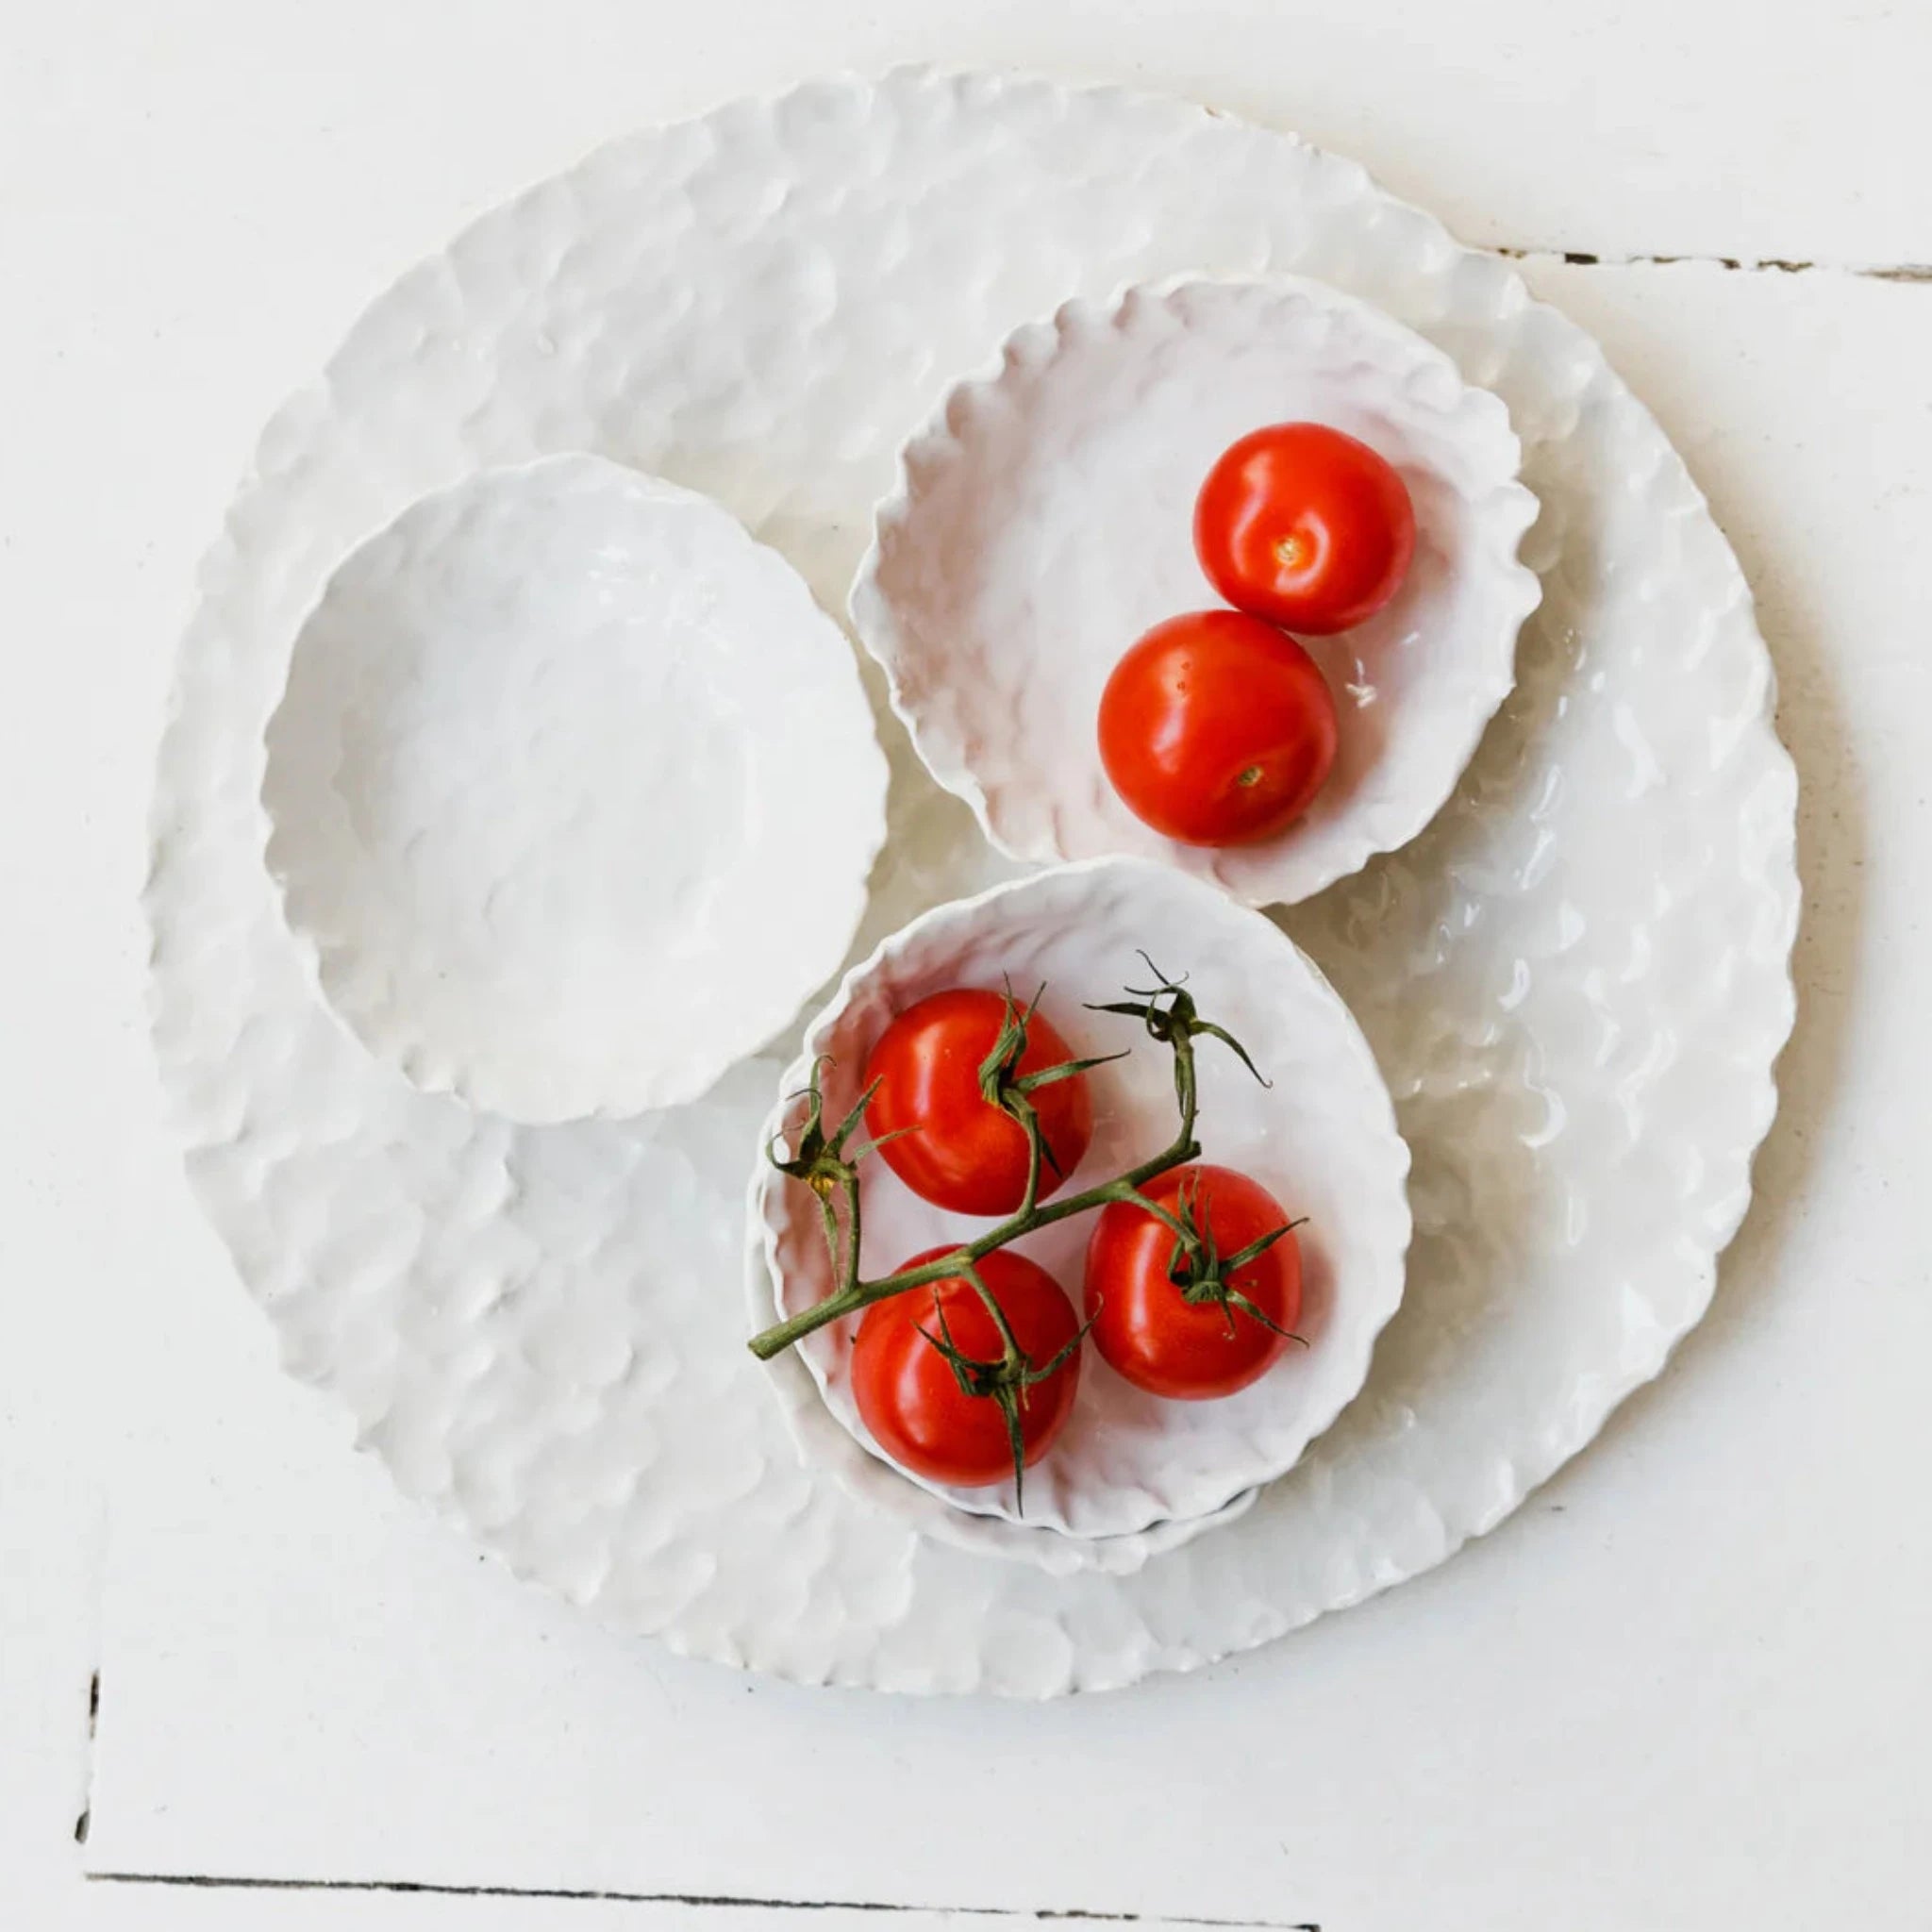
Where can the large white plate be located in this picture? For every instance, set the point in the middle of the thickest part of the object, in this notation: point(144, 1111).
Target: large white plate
point(1577, 981)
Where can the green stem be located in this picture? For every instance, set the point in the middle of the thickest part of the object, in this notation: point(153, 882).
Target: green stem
point(849, 1274)
point(1036, 1147)
point(854, 1294)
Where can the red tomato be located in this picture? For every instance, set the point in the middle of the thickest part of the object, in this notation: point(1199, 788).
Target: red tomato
point(1217, 729)
point(955, 1148)
point(1144, 1326)
point(1304, 527)
point(911, 1398)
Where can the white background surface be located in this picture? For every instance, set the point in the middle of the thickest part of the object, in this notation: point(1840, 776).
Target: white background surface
point(1687, 1685)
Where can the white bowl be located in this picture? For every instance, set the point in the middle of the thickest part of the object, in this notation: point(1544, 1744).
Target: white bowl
point(1322, 1139)
point(1044, 520)
point(535, 788)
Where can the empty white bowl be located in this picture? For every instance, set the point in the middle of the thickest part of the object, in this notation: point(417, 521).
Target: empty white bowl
point(1322, 1139)
point(539, 785)
point(1046, 520)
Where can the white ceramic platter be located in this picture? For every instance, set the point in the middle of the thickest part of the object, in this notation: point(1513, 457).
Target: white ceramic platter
point(1321, 1137)
point(1576, 981)
point(1046, 520)
point(480, 782)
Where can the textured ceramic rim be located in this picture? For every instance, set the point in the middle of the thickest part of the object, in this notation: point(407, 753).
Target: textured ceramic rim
point(1376, 824)
point(824, 1434)
point(727, 1037)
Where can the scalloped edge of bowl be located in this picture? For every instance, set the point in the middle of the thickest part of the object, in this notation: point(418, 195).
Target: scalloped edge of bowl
point(875, 622)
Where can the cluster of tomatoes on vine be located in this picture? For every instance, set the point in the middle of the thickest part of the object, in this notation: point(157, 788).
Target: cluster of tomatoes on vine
point(967, 1358)
point(1217, 727)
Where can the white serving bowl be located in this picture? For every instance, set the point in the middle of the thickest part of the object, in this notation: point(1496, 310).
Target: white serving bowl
point(1044, 520)
point(1322, 1139)
point(536, 791)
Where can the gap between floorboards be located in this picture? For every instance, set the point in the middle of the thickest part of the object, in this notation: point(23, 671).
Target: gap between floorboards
point(1068, 1915)
point(1577, 257)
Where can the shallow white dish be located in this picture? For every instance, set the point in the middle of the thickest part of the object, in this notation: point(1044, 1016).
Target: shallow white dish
point(1577, 981)
point(530, 788)
point(1044, 519)
point(1321, 1138)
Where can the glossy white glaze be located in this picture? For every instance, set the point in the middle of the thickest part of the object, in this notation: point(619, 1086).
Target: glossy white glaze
point(530, 785)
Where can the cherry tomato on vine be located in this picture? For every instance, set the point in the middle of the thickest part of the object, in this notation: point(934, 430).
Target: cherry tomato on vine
point(911, 1396)
point(1146, 1326)
point(1217, 729)
point(953, 1146)
point(1304, 527)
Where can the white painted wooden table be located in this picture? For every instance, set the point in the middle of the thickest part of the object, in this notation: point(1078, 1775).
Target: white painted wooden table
point(1688, 1686)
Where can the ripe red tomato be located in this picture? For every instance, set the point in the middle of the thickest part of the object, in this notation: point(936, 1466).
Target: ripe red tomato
point(1217, 729)
point(1304, 527)
point(911, 1398)
point(1144, 1326)
point(955, 1148)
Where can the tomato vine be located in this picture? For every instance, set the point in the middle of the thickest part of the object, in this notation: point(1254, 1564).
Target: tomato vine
point(827, 1162)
